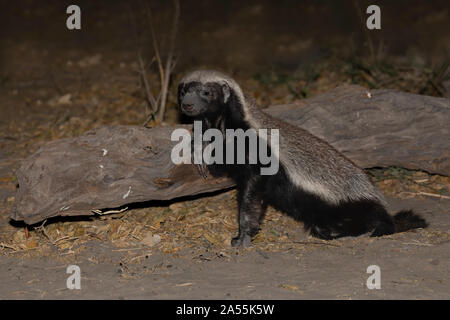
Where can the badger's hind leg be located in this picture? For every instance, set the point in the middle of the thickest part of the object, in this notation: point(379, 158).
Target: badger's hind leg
point(351, 219)
point(251, 210)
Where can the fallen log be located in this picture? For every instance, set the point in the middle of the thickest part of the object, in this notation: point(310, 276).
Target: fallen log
point(109, 167)
point(378, 128)
point(104, 168)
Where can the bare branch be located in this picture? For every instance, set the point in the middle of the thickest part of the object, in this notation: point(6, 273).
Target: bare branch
point(148, 12)
point(152, 104)
point(169, 63)
point(158, 104)
point(150, 98)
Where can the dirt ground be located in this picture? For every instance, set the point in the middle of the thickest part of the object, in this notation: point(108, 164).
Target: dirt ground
point(414, 265)
point(56, 83)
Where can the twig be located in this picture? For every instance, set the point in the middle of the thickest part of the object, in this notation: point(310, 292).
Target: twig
point(150, 98)
point(41, 228)
point(127, 249)
point(426, 194)
point(436, 87)
point(151, 102)
point(419, 244)
point(99, 212)
point(308, 242)
point(158, 104)
point(154, 42)
point(67, 238)
point(4, 245)
point(314, 242)
point(140, 256)
point(166, 70)
point(149, 118)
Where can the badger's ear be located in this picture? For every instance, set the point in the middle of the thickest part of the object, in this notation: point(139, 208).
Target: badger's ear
point(225, 92)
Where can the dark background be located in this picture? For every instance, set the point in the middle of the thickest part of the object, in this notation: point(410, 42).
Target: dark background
point(233, 35)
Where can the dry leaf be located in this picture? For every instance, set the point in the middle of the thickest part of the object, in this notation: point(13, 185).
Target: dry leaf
point(289, 287)
point(31, 243)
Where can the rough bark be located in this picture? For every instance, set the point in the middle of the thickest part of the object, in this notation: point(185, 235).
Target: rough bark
point(389, 128)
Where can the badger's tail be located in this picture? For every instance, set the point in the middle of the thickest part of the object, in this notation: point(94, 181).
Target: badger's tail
point(407, 220)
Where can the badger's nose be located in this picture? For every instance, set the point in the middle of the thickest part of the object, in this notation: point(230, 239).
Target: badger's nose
point(188, 102)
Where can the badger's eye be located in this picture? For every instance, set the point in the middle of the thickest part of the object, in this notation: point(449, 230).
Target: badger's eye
point(205, 93)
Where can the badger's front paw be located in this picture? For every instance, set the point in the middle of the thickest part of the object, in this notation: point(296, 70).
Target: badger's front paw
point(241, 241)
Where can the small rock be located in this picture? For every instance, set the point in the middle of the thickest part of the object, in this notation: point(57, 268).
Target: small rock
point(151, 239)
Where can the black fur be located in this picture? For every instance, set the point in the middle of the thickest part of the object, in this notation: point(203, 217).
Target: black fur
point(406, 220)
point(256, 191)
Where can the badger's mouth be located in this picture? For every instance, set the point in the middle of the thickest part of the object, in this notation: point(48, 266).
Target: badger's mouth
point(187, 107)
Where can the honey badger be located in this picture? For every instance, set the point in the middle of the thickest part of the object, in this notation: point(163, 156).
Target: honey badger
point(315, 183)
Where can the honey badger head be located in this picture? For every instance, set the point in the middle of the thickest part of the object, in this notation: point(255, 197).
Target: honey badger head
point(207, 93)
point(198, 99)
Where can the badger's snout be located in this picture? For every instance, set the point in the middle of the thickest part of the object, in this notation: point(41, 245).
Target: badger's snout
point(188, 102)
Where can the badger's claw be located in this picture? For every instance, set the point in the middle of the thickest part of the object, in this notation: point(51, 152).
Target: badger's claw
point(202, 170)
